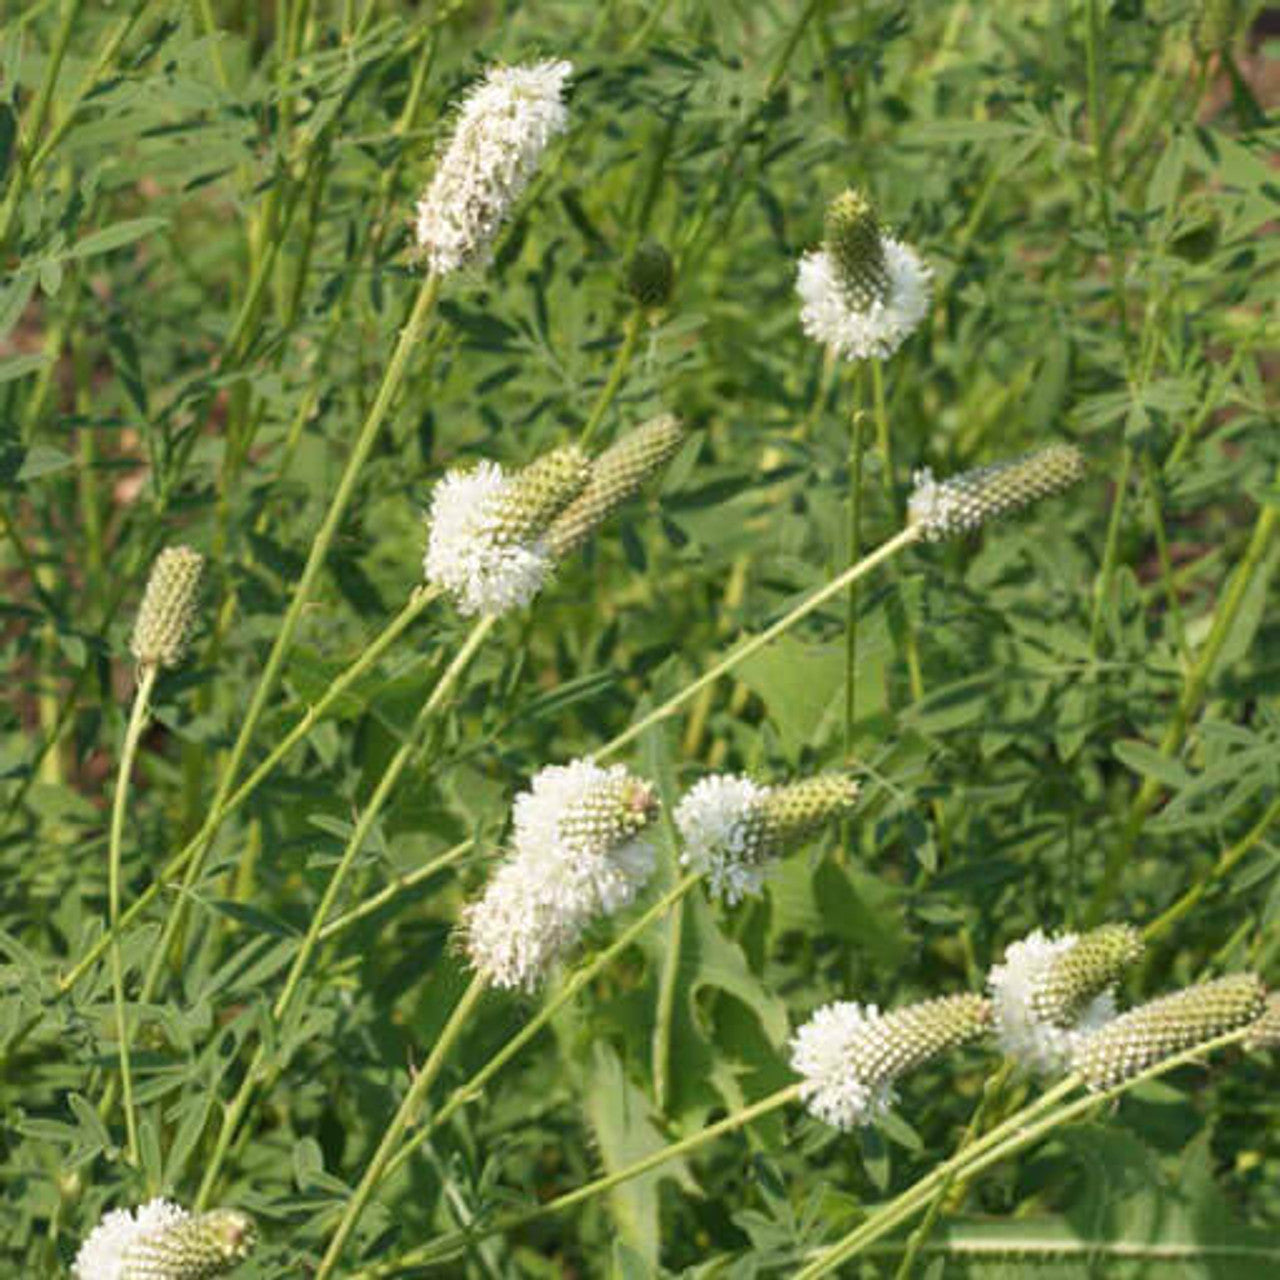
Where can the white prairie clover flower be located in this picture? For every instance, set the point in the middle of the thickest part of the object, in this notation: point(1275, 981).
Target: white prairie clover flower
point(162, 1241)
point(1169, 1026)
point(863, 292)
point(945, 508)
point(1052, 992)
point(167, 614)
point(575, 855)
point(731, 827)
point(486, 542)
point(850, 1055)
point(504, 126)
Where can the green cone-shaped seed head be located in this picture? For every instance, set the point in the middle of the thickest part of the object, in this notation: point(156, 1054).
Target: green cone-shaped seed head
point(617, 475)
point(853, 240)
point(539, 493)
point(790, 814)
point(201, 1247)
point(167, 614)
point(909, 1037)
point(650, 275)
point(1265, 1033)
point(1169, 1026)
point(1094, 964)
point(946, 508)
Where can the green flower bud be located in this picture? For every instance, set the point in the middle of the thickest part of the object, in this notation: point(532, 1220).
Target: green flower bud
point(943, 509)
point(1093, 964)
point(650, 275)
point(167, 615)
point(617, 474)
point(539, 493)
point(853, 239)
point(1164, 1028)
point(790, 814)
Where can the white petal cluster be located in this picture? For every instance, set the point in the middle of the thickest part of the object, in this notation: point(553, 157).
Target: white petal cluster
point(566, 867)
point(720, 830)
point(857, 334)
point(824, 1051)
point(1015, 987)
point(104, 1254)
point(466, 552)
point(503, 127)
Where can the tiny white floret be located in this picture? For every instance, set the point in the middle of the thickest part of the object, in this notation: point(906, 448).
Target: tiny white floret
point(824, 1052)
point(104, 1254)
point(720, 831)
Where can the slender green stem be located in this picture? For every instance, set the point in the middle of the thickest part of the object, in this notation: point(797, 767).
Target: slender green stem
point(1021, 1130)
point(857, 447)
point(132, 736)
point(413, 1098)
point(622, 361)
point(665, 1012)
point(471, 1088)
point(815, 600)
point(438, 1250)
point(219, 813)
point(355, 844)
point(34, 121)
point(1188, 703)
point(1110, 553)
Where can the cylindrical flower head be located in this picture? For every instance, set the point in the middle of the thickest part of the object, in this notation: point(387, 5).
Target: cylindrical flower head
point(732, 827)
point(1169, 1026)
point(619, 473)
point(576, 854)
point(487, 543)
point(850, 1055)
point(1265, 1033)
point(650, 275)
point(167, 614)
point(502, 130)
point(161, 1241)
point(946, 508)
point(1052, 992)
point(863, 293)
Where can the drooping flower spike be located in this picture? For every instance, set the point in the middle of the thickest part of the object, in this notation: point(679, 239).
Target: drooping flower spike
point(502, 129)
point(167, 614)
point(1049, 993)
point(863, 293)
point(576, 854)
point(486, 543)
point(946, 508)
point(851, 1055)
point(1166, 1027)
point(731, 827)
point(162, 1241)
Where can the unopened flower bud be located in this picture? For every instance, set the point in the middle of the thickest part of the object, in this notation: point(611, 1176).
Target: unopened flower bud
point(487, 542)
point(161, 1241)
point(850, 1055)
point(576, 854)
point(650, 275)
point(167, 614)
point(502, 130)
point(616, 476)
point(1051, 992)
point(946, 508)
point(732, 827)
point(1164, 1028)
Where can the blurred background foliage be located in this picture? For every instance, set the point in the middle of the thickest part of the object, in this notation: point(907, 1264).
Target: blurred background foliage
point(206, 259)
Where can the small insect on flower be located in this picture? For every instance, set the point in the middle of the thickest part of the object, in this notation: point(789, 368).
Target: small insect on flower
point(576, 854)
point(1052, 992)
point(167, 614)
point(502, 129)
point(850, 1055)
point(162, 1241)
point(732, 827)
point(863, 292)
point(945, 508)
point(1164, 1028)
point(486, 542)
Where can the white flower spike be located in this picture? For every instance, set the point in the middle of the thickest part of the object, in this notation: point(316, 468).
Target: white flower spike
point(162, 1241)
point(502, 129)
point(863, 293)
